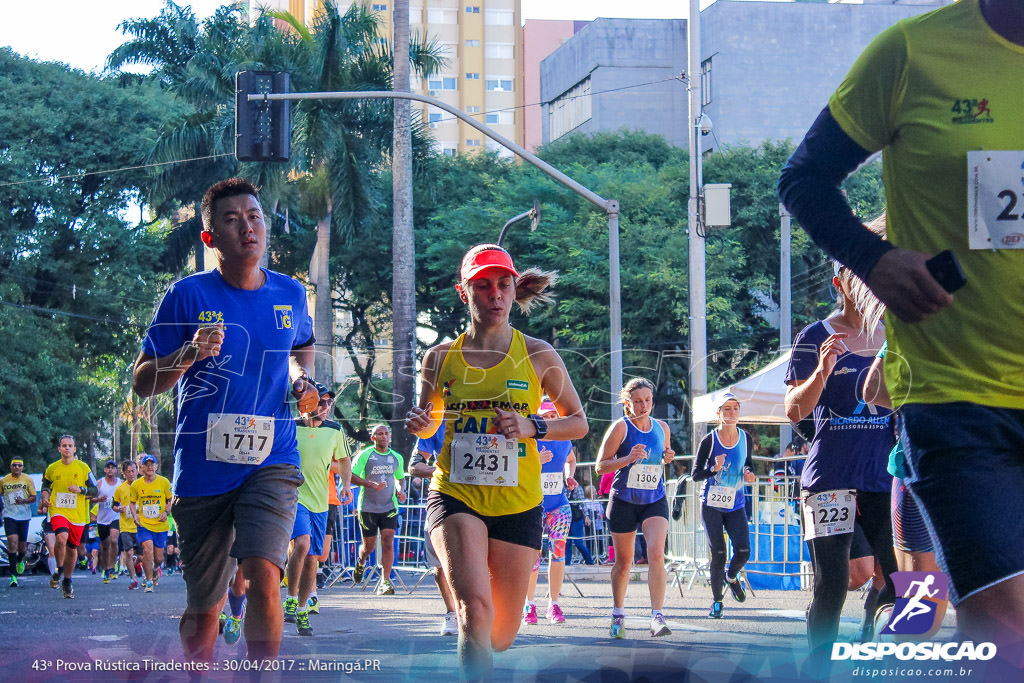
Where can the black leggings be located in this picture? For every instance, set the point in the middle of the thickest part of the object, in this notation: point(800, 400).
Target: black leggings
point(735, 524)
point(831, 558)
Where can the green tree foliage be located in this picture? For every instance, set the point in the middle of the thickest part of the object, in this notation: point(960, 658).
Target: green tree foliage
point(465, 200)
point(78, 272)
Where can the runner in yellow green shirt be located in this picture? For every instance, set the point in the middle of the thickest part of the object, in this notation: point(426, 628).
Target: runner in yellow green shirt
point(67, 486)
point(151, 504)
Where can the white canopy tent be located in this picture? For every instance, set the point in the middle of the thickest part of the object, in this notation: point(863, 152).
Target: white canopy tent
point(761, 396)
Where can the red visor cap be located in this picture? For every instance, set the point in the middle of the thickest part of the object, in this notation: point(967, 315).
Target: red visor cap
point(491, 258)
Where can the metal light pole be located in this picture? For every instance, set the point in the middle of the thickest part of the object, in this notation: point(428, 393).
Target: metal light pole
point(609, 206)
point(698, 295)
point(785, 302)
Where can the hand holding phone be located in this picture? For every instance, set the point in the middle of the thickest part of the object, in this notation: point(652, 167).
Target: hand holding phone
point(946, 270)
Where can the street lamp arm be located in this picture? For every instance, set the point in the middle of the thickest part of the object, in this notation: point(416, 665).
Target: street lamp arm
point(600, 202)
point(609, 206)
point(509, 222)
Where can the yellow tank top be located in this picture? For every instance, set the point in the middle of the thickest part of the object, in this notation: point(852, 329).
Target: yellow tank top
point(470, 397)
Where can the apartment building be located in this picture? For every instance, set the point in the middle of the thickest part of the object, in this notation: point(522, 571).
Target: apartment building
point(483, 43)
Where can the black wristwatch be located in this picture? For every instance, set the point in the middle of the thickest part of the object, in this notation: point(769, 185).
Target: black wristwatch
point(540, 424)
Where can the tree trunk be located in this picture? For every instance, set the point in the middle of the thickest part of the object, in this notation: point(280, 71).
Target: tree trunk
point(403, 295)
point(154, 427)
point(323, 312)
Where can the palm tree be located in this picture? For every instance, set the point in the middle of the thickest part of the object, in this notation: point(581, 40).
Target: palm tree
point(336, 146)
point(341, 143)
point(403, 287)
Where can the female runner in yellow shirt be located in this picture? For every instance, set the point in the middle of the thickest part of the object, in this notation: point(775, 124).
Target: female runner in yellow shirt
point(483, 507)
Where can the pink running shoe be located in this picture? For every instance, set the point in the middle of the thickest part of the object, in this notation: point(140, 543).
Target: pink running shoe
point(530, 615)
point(555, 615)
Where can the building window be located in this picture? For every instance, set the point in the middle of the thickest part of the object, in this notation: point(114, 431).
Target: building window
point(472, 142)
point(443, 83)
point(442, 16)
point(433, 118)
point(470, 76)
point(503, 118)
point(499, 50)
point(472, 43)
point(379, 8)
point(499, 84)
point(472, 9)
point(498, 17)
point(570, 109)
point(472, 109)
point(705, 82)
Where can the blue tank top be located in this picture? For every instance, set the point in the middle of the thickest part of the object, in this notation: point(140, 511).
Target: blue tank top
point(654, 440)
point(731, 474)
point(561, 450)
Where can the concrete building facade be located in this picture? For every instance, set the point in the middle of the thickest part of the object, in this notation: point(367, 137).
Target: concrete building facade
point(617, 73)
point(767, 70)
point(541, 37)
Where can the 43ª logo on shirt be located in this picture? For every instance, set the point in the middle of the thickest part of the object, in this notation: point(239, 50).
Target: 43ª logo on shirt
point(971, 110)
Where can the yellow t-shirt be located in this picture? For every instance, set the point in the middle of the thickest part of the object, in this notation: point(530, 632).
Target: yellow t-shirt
point(123, 497)
point(927, 91)
point(11, 489)
point(150, 499)
point(470, 396)
point(73, 507)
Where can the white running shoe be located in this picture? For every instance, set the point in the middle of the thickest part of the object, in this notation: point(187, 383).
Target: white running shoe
point(659, 627)
point(450, 625)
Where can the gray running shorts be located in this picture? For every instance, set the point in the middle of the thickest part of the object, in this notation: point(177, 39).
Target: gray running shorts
point(215, 532)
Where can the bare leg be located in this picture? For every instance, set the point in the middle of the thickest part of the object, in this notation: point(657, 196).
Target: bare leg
point(510, 568)
point(198, 631)
point(531, 587)
point(556, 572)
point(445, 590)
point(296, 561)
point(387, 551)
point(147, 559)
point(60, 546)
point(264, 617)
point(624, 545)
point(656, 531)
point(306, 580)
point(461, 544)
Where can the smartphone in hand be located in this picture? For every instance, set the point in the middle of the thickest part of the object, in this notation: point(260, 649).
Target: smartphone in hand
point(945, 268)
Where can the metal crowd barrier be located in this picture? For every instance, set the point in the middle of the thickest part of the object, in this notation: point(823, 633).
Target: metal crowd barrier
point(778, 559)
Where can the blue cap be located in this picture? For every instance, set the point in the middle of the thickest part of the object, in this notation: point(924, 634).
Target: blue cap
point(147, 458)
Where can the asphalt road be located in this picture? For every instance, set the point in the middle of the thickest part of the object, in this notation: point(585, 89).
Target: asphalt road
point(359, 636)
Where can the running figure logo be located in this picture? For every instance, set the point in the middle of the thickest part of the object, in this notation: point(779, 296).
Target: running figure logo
point(915, 612)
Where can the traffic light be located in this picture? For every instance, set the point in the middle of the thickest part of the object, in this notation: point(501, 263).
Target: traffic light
point(263, 128)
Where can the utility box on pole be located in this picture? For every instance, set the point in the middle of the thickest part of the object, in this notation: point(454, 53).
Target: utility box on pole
point(717, 207)
point(263, 128)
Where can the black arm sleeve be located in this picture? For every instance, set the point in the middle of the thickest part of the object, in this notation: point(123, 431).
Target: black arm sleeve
point(702, 467)
point(750, 453)
point(810, 188)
